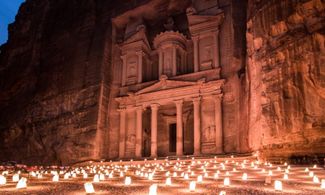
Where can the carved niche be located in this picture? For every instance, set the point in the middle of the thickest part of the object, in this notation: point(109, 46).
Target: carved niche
point(204, 28)
point(171, 47)
point(135, 53)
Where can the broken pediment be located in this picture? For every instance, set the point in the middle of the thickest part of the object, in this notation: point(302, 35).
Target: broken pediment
point(165, 84)
point(202, 23)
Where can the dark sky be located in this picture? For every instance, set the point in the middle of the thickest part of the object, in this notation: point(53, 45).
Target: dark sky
point(8, 11)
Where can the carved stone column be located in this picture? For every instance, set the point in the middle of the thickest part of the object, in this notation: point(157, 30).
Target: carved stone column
point(218, 123)
point(140, 61)
point(138, 134)
point(123, 70)
point(154, 125)
point(216, 49)
point(179, 125)
point(174, 60)
point(160, 62)
point(122, 132)
point(196, 53)
point(197, 125)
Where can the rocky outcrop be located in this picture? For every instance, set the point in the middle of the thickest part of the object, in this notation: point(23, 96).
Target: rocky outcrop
point(51, 82)
point(285, 73)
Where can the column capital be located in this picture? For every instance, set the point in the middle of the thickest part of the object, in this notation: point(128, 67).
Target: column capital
point(139, 108)
point(196, 99)
point(140, 53)
point(121, 109)
point(123, 57)
point(178, 102)
point(154, 106)
point(195, 38)
point(217, 96)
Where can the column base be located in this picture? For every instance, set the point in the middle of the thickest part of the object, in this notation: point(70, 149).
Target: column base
point(197, 153)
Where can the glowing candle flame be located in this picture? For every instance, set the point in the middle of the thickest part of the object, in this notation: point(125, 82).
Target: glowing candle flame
point(244, 177)
point(315, 179)
point(127, 181)
point(55, 178)
point(226, 181)
point(153, 189)
point(89, 188)
point(222, 193)
point(22, 183)
point(96, 178)
point(216, 175)
point(101, 177)
point(278, 185)
point(168, 181)
point(3, 180)
point(311, 174)
point(186, 176)
point(285, 176)
point(322, 186)
point(199, 179)
point(15, 178)
point(192, 186)
point(85, 175)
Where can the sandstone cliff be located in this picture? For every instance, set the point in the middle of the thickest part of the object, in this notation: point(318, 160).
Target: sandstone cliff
point(285, 72)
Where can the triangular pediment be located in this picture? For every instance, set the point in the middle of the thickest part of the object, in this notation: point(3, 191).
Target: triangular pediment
point(165, 84)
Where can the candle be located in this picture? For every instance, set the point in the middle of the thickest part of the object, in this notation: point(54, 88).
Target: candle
point(89, 188)
point(226, 181)
point(199, 179)
point(55, 178)
point(315, 179)
point(21, 183)
point(127, 181)
point(96, 178)
point(3, 180)
point(322, 186)
point(15, 178)
point(222, 193)
point(278, 185)
point(216, 176)
point(102, 177)
point(168, 181)
point(192, 186)
point(285, 176)
point(244, 177)
point(153, 189)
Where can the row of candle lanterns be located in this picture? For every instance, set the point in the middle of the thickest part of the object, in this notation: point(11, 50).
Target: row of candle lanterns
point(149, 169)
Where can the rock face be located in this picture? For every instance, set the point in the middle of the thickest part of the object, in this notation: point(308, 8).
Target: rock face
point(285, 74)
point(56, 88)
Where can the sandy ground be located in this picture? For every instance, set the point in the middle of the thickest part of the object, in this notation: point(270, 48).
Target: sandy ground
point(299, 182)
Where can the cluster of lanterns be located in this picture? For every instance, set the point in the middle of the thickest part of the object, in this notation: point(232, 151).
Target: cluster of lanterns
point(192, 170)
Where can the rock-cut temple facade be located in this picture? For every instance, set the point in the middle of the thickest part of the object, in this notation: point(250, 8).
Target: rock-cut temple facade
point(170, 89)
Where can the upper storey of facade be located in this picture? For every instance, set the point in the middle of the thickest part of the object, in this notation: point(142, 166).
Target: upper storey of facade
point(151, 45)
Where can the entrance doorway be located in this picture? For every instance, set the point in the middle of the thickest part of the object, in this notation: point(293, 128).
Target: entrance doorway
point(172, 138)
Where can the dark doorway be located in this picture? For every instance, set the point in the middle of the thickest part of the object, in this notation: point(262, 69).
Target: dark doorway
point(172, 137)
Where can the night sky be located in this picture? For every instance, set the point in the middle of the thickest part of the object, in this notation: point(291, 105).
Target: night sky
point(8, 11)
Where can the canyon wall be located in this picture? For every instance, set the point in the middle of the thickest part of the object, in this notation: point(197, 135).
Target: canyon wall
point(286, 77)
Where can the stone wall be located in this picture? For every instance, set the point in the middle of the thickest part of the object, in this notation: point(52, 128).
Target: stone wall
point(286, 78)
point(50, 82)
